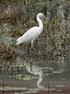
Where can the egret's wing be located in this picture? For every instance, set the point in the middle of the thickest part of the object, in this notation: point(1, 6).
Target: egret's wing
point(28, 36)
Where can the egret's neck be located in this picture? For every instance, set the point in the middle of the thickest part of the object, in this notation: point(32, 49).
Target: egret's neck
point(40, 23)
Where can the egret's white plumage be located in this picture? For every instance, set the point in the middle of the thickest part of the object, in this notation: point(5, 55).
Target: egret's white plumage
point(32, 33)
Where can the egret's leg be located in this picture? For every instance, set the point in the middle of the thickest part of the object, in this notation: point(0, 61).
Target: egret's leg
point(32, 43)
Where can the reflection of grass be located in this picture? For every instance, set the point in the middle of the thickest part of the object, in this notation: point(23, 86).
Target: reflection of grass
point(13, 88)
point(19, 77)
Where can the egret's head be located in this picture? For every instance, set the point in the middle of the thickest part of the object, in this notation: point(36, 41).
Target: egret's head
point(41, 16)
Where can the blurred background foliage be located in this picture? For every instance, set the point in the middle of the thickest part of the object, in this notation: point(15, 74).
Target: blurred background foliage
point(52, 47)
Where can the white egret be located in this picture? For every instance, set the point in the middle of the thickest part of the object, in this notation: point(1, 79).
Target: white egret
point(32, 33)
